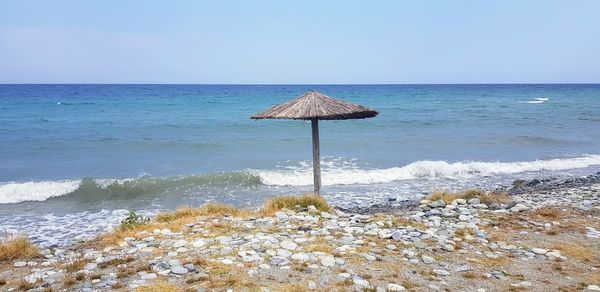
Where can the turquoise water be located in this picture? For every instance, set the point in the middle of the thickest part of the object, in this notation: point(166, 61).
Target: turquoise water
point(91, 151)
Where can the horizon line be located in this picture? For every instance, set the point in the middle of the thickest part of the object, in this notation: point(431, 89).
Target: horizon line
point(310, 84)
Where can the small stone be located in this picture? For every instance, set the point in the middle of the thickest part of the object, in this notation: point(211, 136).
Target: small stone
point(437, 204)
point(302, 257)
point(593, 288)
point(90, 266)
point(519, 208)
point(370, 258)
point(328, 261)
point(420, 245)
point(427, 259)
point(199, 243)
point(522, 284)
point(539, 251)
point(264, 266)
point(149, 276)
point(360, 282)
point(190, 267)
point(289, 245)
point(179, 270)
point(19, 264)
point(284, 253)
point(390, 247)
point(281, 215)
point(448, 247)
point(312, 285)
point(395, 287)
point(279, 261)
point(179, 243)
point(441, 272)
point(474, 201)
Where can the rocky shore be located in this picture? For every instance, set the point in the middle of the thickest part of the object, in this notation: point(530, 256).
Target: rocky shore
point(539, 239)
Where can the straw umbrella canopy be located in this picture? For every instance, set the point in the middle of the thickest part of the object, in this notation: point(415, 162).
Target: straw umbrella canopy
point(315, 106)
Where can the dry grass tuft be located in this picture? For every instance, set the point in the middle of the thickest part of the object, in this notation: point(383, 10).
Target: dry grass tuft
point(172, 220)
point(233, 280)
point(159, 286)
point(290, 202)
point(495, 197)
point(115, 237)
point(471, 275)
point(548, 212)
point(210, 209)
point(576, 251)
point(14, 247)
point(408, 284)
point(444, 196)
point(492, 262)
point(293, 288)
point(69, 281)
point(320, 245)
point(75, 266)
point(486, 198)
point(23, 285)
point(116, 262)
point(80, 276)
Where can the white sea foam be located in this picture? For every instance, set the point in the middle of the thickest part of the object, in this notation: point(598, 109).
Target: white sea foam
point(66, 229)
point(14, 192)
point(332, 175)
point(538, 100)
point(334, 172)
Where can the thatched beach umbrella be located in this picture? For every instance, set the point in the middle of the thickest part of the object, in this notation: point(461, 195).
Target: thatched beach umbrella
point(315, 106)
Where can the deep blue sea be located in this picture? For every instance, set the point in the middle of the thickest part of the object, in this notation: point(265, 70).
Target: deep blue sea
point(75, 158)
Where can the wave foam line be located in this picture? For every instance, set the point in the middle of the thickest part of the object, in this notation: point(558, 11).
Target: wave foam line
point(421, 170)
point(537, 100)
point(14, 192)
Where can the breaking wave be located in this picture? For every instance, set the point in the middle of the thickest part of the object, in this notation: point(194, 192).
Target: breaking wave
point(334, 172)
point(420, 170)
point(537, 100)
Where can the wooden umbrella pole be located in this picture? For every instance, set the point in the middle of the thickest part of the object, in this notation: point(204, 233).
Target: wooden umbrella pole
point(316, 155)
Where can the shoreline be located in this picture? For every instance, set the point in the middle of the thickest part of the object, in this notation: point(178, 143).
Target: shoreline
point(541, 234)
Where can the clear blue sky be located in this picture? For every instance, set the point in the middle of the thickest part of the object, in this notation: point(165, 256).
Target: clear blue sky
point(299, 41)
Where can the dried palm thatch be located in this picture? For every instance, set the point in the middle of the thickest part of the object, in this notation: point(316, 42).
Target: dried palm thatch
point(315, 105)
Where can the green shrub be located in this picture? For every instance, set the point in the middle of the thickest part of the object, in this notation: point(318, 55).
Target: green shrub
point(133, 220)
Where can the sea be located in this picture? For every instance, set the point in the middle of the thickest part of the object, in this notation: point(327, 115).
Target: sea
point(74, 159)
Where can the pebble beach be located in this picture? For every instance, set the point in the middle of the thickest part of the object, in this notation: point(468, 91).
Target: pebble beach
point(538, 236)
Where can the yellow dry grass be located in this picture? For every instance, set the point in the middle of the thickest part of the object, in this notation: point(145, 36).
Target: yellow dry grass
point(290, 202)
point(495, 197)
point(159, 286)
point(24, 285)
point(486, 198)
point(320, 245)
point(14, 247)
point(210, 209)
point(444, 196)
point(576, 251)
point(403, 221)
point(75, 266)
point(293, 288)
point(224, 276)
point(172, 220)
point(548, 213)
point(491, 262)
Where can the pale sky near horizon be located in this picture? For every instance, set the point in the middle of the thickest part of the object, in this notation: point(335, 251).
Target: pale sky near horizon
point(306, 42)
